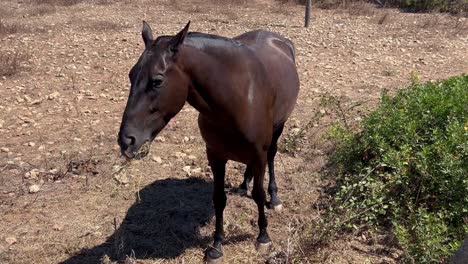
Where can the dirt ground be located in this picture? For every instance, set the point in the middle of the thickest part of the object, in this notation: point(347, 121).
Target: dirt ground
point(66, 195)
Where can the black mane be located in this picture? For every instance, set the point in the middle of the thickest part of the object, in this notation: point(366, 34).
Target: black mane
point(204, 40)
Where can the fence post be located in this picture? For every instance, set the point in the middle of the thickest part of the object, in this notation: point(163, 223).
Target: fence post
point(307, 13)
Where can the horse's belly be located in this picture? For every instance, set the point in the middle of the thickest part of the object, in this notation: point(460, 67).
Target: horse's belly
point(226, 142)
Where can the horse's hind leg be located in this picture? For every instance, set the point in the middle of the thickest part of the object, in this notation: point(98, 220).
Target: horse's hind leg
point(244, 187)
point(275, 202)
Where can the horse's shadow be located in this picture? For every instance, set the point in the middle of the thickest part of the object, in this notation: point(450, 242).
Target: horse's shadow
point(165, 222)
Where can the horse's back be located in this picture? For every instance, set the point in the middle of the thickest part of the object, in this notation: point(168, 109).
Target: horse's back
point(277, 55)
point(266, 39)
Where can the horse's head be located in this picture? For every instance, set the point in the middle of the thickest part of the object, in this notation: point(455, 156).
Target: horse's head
point(158, 91)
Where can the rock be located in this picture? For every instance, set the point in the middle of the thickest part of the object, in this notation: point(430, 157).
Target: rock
point(295, 131)
point(11, 240)
point(187, 170)
point(31, 144)
point(186, 139)
point(180, 154)
point(191, 157)
point(57, 227)
point(121, 178)
point(35, 102)
point(53, 95)
point(196, 171)
point(34, 188)
point(461, 255)
point(157, 159)
point(6, 150)
point(160, 139)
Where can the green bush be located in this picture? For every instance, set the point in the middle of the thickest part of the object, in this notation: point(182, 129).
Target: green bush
point(407, 169)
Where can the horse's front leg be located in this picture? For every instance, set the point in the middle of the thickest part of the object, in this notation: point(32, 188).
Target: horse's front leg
point(258, 194)
point(214, 254)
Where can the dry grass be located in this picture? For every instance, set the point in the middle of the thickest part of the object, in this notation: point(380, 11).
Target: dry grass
point(230, 2)
point(193, 7)
point(56, 2)
point(360, 8)
point(4, 13)
point(101, 25)
point(10, 28)
point(10, 63)
point(281, 8)
point(42, 9)
point(431, 22)
point(384, 19)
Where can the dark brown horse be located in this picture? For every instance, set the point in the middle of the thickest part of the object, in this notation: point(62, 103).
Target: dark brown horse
point(244, 89)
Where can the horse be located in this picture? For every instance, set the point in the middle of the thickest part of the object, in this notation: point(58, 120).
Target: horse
point(244, 89)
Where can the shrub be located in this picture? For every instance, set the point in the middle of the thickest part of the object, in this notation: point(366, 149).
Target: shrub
point(407, 169)
point(9, 28)
point(10, 63)
point(452, 6)
point(56, 2)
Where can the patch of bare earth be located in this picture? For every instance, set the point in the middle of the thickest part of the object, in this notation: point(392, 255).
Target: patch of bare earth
point(66, 196)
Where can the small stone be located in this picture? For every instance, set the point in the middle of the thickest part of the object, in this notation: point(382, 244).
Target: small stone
point(35, 102)
point(295, 131)
point(11, 240)
point(180, 154)
point(34, 188)
point(57, 227)
point(157, 159)
point(6, 150)
point(191, 157)
point(41, 147)
point(31, 144)
point(196, 171)
point(53, 95)
point(160, 139)
point(187, 170)
point(121, 178)
point(186, 139)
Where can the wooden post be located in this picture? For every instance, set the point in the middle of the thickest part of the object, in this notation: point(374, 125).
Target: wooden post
point(307, 13)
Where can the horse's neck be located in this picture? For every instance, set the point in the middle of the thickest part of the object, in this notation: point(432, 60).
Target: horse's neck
point(211, 86)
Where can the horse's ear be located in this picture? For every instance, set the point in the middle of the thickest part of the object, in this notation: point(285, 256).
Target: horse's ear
point(147, 34)
point(179, 39)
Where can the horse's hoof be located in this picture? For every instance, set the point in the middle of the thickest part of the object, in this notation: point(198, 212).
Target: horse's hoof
point(213, 256)
point(278, 207)
point(243, 192)
point(210, 260)
point(263, 248)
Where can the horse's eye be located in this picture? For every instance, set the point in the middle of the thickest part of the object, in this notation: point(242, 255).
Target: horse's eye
point(157, 81)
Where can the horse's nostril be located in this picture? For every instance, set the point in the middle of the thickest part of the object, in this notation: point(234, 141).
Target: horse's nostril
point(125, 141)
point(131, 140)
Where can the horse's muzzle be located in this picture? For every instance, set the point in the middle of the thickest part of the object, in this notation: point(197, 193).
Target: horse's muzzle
point(127, 145)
